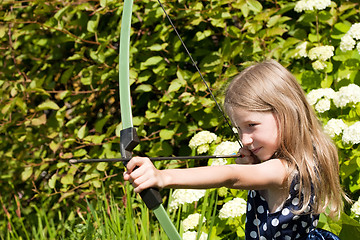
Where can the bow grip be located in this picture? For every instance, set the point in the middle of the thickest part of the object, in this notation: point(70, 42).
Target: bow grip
point(128, 141)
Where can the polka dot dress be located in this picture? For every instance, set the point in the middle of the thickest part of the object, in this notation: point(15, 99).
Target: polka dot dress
point(282, 224)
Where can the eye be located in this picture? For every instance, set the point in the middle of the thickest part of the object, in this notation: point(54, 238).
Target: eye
point(252, 124)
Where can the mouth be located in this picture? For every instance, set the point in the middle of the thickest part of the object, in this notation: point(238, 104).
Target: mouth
point(256, 150)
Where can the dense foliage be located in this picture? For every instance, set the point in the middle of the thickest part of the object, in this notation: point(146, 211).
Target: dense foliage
point(59, 91)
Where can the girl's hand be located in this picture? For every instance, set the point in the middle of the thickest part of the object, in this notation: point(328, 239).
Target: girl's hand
point(142, 174)
point(246, 157)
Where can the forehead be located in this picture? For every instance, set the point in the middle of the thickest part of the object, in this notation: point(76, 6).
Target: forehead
point(241, 115)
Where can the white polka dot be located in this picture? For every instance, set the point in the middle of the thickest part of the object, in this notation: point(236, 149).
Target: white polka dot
point(263, 238)
point(296, 187)
point(245, 219)
point(285, 211)
point(303, 224)
point(256, 222)
point(265, 227)
point(252, 193)
point(262, 198)
point(296, 217)
point(307, 209)
point(287, 237)
point(278, 234)
point(297, 235)
point(315, 223)
point(294, 228)
point(307, 230)
point(249, 207)
point(253, 234)
point(295, 201)
point(284, 226)
point(275, 222)
point(260, 209)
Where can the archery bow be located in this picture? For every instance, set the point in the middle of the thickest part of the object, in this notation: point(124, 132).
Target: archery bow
point(128, 135)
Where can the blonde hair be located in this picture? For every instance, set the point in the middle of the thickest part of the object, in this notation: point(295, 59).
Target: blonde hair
point(269, 87)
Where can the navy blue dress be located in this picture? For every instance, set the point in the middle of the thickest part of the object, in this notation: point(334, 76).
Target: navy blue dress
point(282, 224)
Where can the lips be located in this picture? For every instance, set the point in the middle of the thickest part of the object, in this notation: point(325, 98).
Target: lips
point(255, 151)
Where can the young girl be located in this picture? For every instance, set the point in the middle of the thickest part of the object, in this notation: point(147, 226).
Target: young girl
point(288, 164)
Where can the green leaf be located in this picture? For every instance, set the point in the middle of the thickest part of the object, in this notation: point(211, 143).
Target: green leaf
point(26, 174)
point(254, 5)
point(48, 104)
point(67, 179)
point(80, 153)
point(52, 181)
point(93, 23)
point(144, 88)
point(82, 132)
point(166, 134)
point(152, 61)
point(102, 166)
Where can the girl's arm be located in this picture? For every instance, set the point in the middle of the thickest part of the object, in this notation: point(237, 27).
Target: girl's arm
point(264, 175)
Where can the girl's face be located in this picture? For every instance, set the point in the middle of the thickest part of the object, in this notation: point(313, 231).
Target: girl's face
point(258, 132)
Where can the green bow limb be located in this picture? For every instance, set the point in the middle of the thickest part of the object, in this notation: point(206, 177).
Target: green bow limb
point(128, 135)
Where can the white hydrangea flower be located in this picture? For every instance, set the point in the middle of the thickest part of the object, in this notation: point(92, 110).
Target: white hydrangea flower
point(347, 43)
point(202, 138)
point(203, 148)
point(224, 148)
point(301, 50)
point(347, 94)
point(227, 148)
point(311, 5)
point(355, 209)
point(323, 105)
point(334, 127)
point(192, 221)
point(352, 134)
point(321, 4)
point(182, 196)
point(314, 95)
point(191, 235)
point(233, 208)
point(218, 161)
point(355, 31)
point(319, 65)
point(321, 53)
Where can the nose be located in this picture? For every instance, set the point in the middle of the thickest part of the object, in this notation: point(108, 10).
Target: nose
point(246, 139)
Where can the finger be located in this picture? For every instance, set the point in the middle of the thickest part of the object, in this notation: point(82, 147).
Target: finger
point(126, 176)
point(136, 162)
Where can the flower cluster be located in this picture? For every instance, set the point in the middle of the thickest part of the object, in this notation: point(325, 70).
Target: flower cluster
point(355, 209)
point(321, 98)
point(225, 148)
point(347, 95)
point(233, 208)
point(348, 42)
point(192, 221)
point(182, 196)
point(191, 235)
point(301, 50)
point(320, 55)
point(352, 134)
point(311, 5)
point(334, 127)
point(201, 141)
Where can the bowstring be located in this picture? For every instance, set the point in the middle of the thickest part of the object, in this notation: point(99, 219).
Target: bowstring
point(201, 76)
